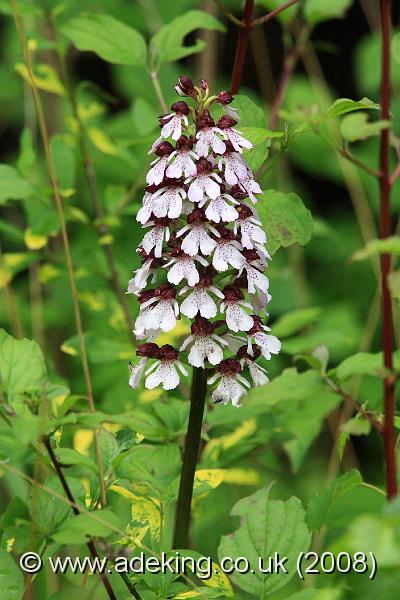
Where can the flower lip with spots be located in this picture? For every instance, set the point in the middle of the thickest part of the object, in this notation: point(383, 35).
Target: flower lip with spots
point(203, 251)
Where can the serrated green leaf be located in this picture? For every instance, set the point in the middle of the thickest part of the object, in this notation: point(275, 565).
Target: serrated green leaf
point(285, 220)
point(167, 44)
point(266, 527)
point(319, 506)
point(107, 37)
point(21, 365)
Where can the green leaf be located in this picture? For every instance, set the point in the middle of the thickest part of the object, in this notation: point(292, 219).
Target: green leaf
point(319, 506)
point(50, 511)
point(100, 350)
point(21, 365)
point(78, 529)
point(68, 457)
point(295, 320)
point(12, 186)
point(110, 39)
point(285, 220)
point(364, 363)
point(64, 162)
point(394, 284)
point(167, 44)
point(11, 578)
point(367, 64)
point(45, 77)
point(316, 11)
point(357, 426)
point(390, 245)
point(396, 48)
point(357, 127)
point(266, 526)
point(343, 106)
point(27, 154)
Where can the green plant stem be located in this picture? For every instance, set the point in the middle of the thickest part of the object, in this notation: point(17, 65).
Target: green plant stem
point(157, 87)
point(385, 259)
point(64, 234)
point(190, 455)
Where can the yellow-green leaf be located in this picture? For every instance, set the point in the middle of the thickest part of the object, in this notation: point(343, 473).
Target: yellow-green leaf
point(45, 78)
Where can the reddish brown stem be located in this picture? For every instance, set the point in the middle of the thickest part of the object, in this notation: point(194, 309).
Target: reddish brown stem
point(385, 229)
point(273, 13)
point(241, 49)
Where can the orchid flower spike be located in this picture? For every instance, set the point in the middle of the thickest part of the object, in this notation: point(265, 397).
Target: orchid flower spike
point(203, 253)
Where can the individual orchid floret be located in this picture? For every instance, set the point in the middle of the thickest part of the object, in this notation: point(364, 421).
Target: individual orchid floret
point(228, 251)
point(155, 238)
point(141, 275)
point(198, 239)
point(248, 187)
point(268, 344)
point(233, 165)
point(225, 98)
point(204, 182)
point(183, 267)
point(204, 343)
point(147, 351)
point(232, 386)
point(171, 125)
point(252, 235)
point(182, 159)
point(221, 208)
point(158, 310)
point(226, 124)
point(254, 265)
point(199, 301)
point(209, 137)
point(257, 373)
point(237, 319)
point(157, 173)
point(165, 371)
point(185, 87)
point(167, 201)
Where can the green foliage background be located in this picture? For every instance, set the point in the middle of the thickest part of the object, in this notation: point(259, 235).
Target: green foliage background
point(302, 430)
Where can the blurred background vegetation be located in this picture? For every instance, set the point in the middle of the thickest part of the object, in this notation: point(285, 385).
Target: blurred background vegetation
point(320, 296)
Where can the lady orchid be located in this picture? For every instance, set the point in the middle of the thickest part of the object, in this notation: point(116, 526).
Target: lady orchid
point(203, 254)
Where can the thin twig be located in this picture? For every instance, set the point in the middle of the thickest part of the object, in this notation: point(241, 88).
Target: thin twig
point(385, 259)
point(290, 61)
point(228, 14)
point(395, 174)
point(64, 234)
point(157, 87)
point(347, 154)
point(75, 508)
point(274, 13)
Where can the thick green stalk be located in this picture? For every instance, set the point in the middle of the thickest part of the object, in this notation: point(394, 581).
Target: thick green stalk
point(190, 455)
